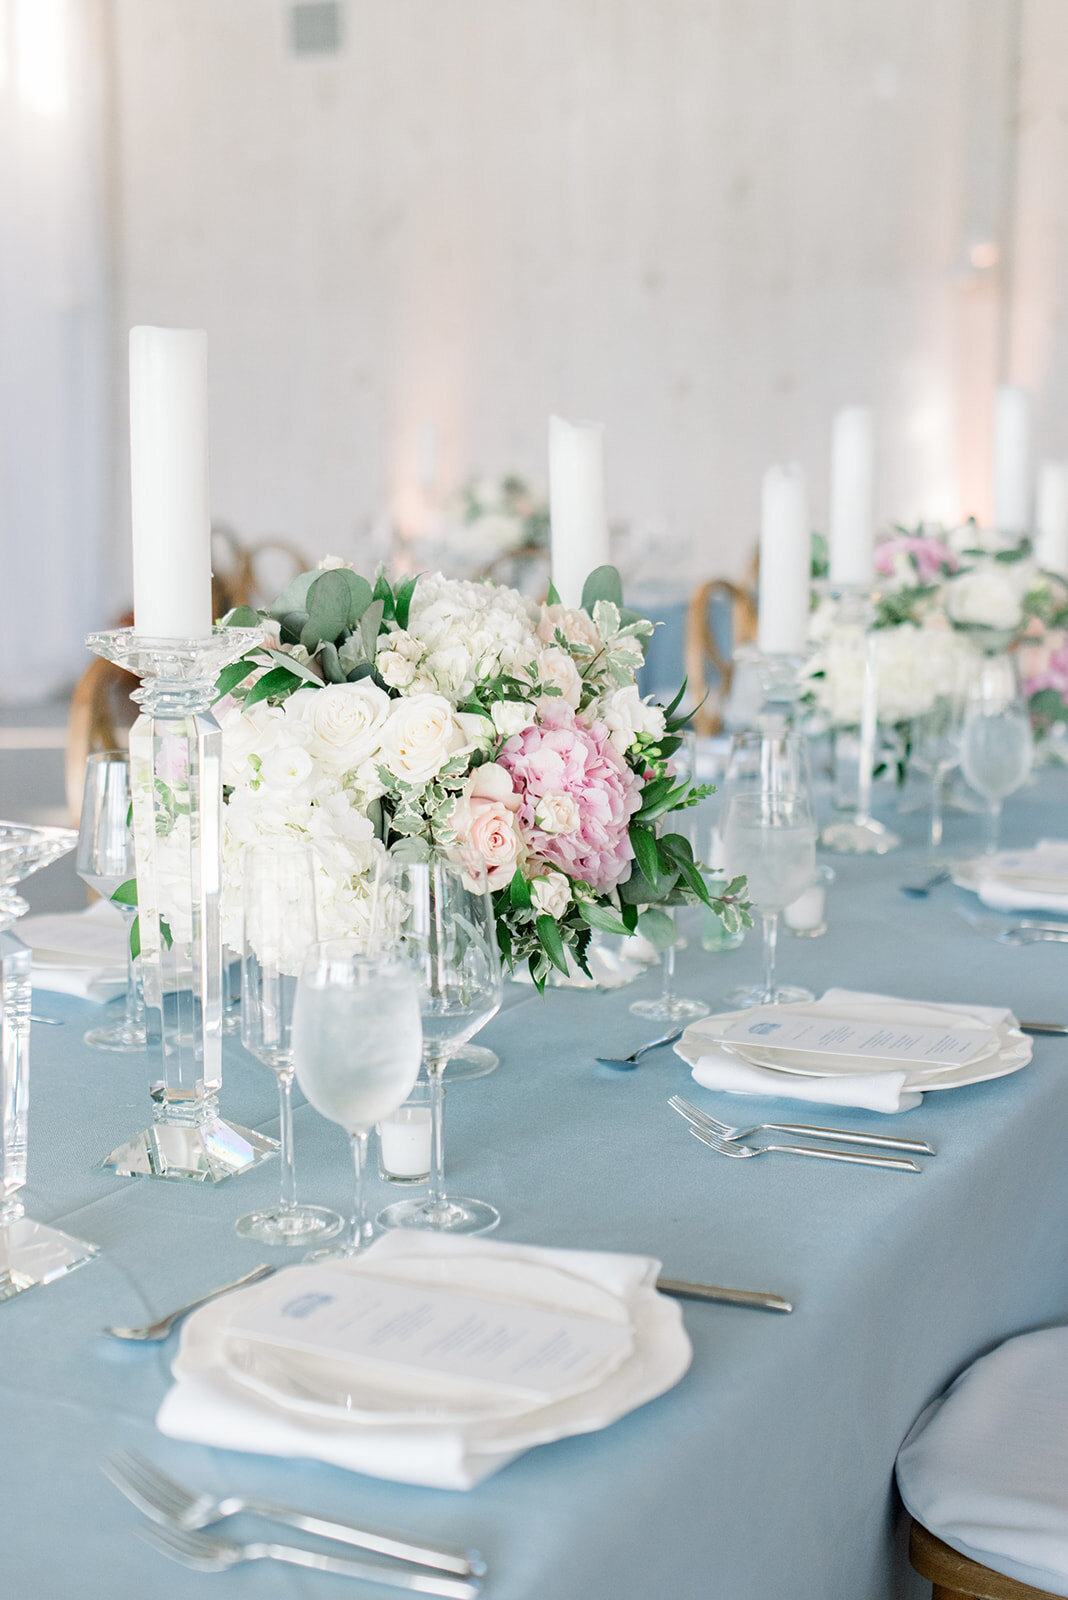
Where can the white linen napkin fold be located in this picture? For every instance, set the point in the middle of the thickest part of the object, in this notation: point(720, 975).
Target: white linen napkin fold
point(81, 953)
point(206, 1406)
point(1026, 880)
point(876, 1091)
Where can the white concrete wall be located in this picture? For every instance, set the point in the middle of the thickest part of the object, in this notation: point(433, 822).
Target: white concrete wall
point(709, 222)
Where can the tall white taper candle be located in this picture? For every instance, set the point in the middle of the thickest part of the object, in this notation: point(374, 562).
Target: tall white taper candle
point(851, 524)
point(1012, 461)
point(576, 505)
point(785, 562)
point(170, 498)
point(1051, 544)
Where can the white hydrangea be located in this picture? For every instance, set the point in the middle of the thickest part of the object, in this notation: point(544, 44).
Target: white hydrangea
point(464, 632)
point(916, 665)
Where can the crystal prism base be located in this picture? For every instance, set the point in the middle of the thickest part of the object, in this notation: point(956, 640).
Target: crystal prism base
point(202, 1151)
point(859, 838)
point(31, 1253)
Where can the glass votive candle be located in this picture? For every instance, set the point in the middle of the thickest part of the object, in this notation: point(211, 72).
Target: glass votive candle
point(806, 918)
point(404, 1140)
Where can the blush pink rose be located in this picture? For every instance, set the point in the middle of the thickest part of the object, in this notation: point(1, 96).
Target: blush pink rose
point(559, 759)
point(484, 819)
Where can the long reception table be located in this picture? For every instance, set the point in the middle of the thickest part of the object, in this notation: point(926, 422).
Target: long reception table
point(768, 1471)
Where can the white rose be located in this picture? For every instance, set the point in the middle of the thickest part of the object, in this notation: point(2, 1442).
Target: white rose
point(557, 813)
point(626, 715)
point(420, 736)
point(987, 597)
point(511, 717)
point(343, 722)
point(248, 733)
point(557, 669)
point(451, 668)
point(551, 894)
point(330, 563)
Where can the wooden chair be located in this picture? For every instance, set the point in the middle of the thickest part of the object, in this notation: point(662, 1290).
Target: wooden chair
point(705, 650)
point(956, 1577)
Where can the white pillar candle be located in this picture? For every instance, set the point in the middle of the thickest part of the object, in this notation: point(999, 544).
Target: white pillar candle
point(169, 482)
point(851, 524)
point(576, 505)
point(404, 1142)
point(1051, 544)
point(785, 562)
point(1012, 461)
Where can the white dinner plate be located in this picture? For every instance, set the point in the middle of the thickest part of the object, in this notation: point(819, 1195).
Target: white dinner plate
point(1007, 1049)
point(659, 1356)
point(347, 1389)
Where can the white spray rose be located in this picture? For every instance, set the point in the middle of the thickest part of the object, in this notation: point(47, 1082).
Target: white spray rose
point(557, 813)
point(626, 715)
point(511, 717)
point(551, 894)
point(558, 670)
point(989, 596)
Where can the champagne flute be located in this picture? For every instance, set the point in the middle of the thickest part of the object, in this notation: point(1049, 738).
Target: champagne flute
point(450, 936)
point(771, 838)
point(997, 745)
point(105, 861)
point(357, 1042)
point(279, 926)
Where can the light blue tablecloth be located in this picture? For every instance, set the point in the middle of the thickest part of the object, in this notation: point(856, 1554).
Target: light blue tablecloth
point(768, 1471)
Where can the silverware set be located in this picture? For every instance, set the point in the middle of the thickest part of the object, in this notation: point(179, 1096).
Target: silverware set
point(729, 1141)
point(625, 1063)
point(1025, 930)
point(179, 1519)
point(155, 1332)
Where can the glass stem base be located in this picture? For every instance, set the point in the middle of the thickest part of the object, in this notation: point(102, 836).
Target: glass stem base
point(448, 1215)
point(31, 1253)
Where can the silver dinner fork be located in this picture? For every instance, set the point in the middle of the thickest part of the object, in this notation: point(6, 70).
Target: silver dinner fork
point(171, 1505)
point(207, 1552)
point(744, 1151)
point(723, 1130)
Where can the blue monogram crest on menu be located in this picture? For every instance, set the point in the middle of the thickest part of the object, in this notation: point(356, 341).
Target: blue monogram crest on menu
point(764, 1027)
point(305, 1304)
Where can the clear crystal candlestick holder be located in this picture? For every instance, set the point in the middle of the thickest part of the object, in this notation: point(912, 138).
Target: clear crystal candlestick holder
point(852, 647)
point(176, 784)
point(781, 689)
point(30, 1252)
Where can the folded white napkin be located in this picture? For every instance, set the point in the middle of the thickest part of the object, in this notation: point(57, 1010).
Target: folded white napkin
point(206, 1405)
point(1026, 880)
point(876, 1091)
point(78, 952)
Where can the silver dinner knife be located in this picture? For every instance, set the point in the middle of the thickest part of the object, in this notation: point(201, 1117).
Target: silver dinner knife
point(752, 1299)
point(1044, 1027)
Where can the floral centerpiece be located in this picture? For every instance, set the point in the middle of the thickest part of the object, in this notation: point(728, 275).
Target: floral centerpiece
point(942, 595)
point(465, 717)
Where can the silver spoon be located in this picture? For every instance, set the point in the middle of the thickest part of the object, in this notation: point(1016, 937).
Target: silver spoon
point(920, 891)
point(626, 1063)
point(155, 1331)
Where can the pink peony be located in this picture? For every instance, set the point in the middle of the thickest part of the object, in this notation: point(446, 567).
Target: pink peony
point(484, 820)
point(570, 774)
point(929, 556)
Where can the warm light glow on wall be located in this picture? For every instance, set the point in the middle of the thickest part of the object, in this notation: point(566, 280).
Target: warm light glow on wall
point(40, 55)
point(5, 45)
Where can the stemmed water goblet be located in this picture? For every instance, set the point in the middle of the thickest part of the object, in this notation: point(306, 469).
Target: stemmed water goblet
point(105, 861)
point(997, 745)
point(279, 918)
point(770, 836)
point(450, 937)
point(357, 1042)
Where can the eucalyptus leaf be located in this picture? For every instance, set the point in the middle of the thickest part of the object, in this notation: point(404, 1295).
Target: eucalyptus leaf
point(360, 595)
point(658, 927)
point(242, 617)
point(292, 625)
point(332, 669)
point(370, 627)
point(328, 609)
point(603, 583)
point(294, 596)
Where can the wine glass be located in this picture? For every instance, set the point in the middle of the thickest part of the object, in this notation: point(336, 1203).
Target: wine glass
point(450, 936)
point(771, 838)
point(936, 741)
point(279, 926)
point(357, 1042)
point(997, 745)
point(105, 861)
